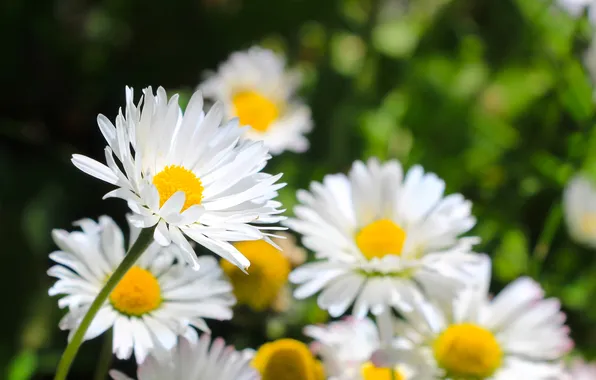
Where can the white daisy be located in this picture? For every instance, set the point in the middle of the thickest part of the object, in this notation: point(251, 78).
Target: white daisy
point(381, 239)
point(579, 202)
point(580, 370)
point(197, 360)
point(576, 8)
point(187, 174)
point(346, 348)
point(516, 335)
point(256, 88)
point(156, 299)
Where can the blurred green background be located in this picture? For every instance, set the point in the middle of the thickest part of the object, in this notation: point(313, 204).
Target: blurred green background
point(492, 95)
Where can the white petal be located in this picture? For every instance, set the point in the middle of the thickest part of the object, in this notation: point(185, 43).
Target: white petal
point(94, 168)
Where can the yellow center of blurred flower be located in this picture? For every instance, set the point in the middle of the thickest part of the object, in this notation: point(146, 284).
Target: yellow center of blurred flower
point(287, 359)
point(380, 238)
point(175, 178)
point(137, 293)
point(588, 224)
point(255, 110)
point(268, 273)
point(370, 372)
point(467, 351)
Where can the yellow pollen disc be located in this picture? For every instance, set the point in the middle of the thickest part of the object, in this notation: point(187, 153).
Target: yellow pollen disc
point(287, 359)
point(175, 178)
point(380, 238)
point(137, 293)
point(268, 273)
point(467, 351)
point(370, 372)
point(588, 224)
point(255, 110)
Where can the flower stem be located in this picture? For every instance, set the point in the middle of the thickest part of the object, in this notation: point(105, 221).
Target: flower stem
point(105, 357)
point(553, 220)
point(145, 238)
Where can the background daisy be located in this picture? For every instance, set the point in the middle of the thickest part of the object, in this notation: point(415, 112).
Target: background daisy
point(187, 174)
point(287, 359)
point(581, 370)
point(197, 360)
point(579, 202)
point(256, 87)
point(381, 238)
point(516, 335)
point(346, 348)
point(576, 8)
point(266, 285)
point(158, 298)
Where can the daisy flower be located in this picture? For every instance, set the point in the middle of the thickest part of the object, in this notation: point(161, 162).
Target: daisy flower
point(197, 360)
point(346, 348)
point(516, 335)
point(576, 8)
point(266, 285)
point(287, 359)
point(255, 87)
point(381, 239)
point(580, 370)
point(157, 299)
point(579, 203)
point(187, 174)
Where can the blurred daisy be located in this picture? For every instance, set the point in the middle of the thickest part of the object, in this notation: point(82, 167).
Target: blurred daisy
point(576, 8)
point(287, 359)
point(265, 286)
point(187, 174)
point(156, 299)
point(381, 239)
point(256, 88)
point(346, 348)
point(579, 202)
point(192, 360)
point(516, 335)
point(580, 370)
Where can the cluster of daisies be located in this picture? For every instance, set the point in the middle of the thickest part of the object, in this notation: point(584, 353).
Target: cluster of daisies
point(390, 252)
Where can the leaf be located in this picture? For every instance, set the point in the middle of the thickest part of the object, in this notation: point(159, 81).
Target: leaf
point(511, 257)
point(23, 366)
point(396, 39)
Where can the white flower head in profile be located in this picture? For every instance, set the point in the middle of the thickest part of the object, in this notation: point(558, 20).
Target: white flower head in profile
point(579, 202)
point(516, 335)
point(187, 174)
point(382, 239)
point(197, 360)
point(346, 348)
point(255, 86)
point(156, 300)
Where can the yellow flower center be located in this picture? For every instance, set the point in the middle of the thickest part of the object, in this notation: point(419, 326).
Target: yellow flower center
point(268, 273)
point(588, 224)
point(370, 372)
point(255, 110)
point(175, 178)
point(468, 351)
point(137, 293)
point(380, 238)
point(287, 359)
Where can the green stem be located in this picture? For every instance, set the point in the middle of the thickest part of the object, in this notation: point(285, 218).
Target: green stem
point(105, 357)
point(145, 238)
point(553, 220)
